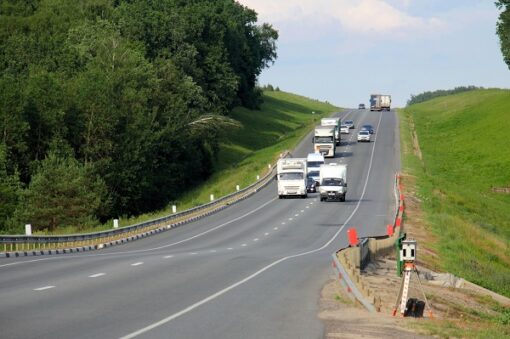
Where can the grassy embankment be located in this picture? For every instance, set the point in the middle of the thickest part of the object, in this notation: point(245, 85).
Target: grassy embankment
point(464, 155)
point(283, 120)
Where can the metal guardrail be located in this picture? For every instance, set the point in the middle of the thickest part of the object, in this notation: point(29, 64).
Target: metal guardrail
point(15, 243)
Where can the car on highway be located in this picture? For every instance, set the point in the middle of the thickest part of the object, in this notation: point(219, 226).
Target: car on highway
point(311, 185)
point(344, 129)
point(369, 128)
point(315, 175)
point(363, 136)
point(349, 123)
point(361, 106)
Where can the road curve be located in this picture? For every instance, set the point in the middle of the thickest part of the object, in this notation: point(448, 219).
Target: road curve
point(253, 270)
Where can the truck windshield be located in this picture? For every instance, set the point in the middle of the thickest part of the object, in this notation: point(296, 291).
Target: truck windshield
point(323, 140)
point(315, 163)
point(332, 182)
point(291, 176)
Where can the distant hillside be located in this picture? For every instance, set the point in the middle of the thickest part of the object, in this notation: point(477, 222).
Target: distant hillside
point(463, 180)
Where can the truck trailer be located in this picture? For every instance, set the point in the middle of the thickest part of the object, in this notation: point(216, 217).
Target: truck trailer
point(380, 102)
point(333, 122)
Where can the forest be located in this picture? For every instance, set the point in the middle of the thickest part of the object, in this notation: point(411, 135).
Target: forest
point(111, 107)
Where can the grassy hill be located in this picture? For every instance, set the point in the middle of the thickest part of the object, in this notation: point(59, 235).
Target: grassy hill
point(279, 125)
point(463, 140)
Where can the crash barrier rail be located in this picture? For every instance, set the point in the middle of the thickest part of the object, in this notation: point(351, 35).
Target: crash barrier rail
point(25, 245)
point(349, 261)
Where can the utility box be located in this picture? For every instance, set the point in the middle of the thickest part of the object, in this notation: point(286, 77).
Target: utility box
point(408, 252)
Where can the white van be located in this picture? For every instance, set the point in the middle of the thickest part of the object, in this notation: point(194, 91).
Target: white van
point(314, 162)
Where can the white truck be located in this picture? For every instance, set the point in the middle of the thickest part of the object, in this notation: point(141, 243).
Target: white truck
point(313, 165)
point(333, 182)
point(291, 176)
point(324, 141)
point(333, 122)
point(380, 102)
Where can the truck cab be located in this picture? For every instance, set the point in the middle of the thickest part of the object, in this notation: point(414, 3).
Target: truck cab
point(333, 122)
point(324, 141)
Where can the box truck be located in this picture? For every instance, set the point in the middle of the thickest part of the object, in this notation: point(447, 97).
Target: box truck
point(291, 176)
point(380, 102)
point(313, 165)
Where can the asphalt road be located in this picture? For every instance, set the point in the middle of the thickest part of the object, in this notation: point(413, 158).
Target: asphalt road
point(253, 270)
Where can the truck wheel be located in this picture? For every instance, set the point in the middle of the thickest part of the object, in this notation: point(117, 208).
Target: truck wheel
point(280, 197)
point(342, 198)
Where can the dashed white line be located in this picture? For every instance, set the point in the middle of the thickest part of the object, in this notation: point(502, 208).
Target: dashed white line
point(137, 263)
point(213, 251)
point(290, 219)
point(43, 288)
point(307, 206)
point(283, 223)
point(97, 275)
point(302, 211)
point(256, 239)
point(193, 253)
point(296, 215)
point(276, 228)
point(168, 256)
point(243, 245)
point(230, 248)
point(266, 234)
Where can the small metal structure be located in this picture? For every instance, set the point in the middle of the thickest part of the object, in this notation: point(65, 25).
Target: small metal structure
point(408, 257)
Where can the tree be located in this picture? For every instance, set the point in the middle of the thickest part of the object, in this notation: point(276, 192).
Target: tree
point(503, 29)
point(61, 193)
point(9, 190)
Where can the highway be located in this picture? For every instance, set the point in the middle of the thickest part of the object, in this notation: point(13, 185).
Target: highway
point(253, 270)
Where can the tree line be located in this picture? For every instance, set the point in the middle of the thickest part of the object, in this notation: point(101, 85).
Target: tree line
point(428, 95)
point(110, 107)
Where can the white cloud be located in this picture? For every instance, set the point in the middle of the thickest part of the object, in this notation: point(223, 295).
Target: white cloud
point(353, 16)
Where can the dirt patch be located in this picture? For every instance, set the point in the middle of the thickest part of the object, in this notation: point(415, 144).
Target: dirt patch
point(345, 319)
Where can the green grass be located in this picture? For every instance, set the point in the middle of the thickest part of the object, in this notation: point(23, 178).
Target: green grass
point(464, 142)
point(244, 153)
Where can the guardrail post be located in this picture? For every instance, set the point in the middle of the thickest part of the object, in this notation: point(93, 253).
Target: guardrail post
point(174, 209)
point(258, 177)
point(237, 187)
point(211, 197)
point(115, 223)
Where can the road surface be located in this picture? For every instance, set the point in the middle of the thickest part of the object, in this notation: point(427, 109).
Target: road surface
point(253, 270)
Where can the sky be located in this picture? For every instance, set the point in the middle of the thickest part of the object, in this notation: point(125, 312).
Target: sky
point(341, 51)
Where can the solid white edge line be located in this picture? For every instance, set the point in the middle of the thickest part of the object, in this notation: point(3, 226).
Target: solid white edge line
point(43, 288)
point(248, 278)
point(137, 263)
point(97, 275)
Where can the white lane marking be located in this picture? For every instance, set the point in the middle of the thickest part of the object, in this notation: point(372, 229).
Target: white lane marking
point(248, 278)
point(137, 263)
point(243, 245)
point(97, 275)
point(230, 248)
point(283, 223)
point(296, 215)
point(147, 249)
point(302, 211)
point(213, 251)
point(307, 206)
point(43, 288)
point(256, 239)
point(168, 256)
point(266, 234)
point(290, 219)
point(276, 228)
point(193, 253)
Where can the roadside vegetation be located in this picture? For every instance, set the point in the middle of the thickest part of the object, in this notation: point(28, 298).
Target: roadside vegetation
point(456, 163)
point(114, 108)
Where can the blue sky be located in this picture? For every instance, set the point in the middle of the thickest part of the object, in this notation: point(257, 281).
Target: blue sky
point(343, 50)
